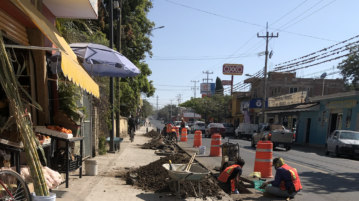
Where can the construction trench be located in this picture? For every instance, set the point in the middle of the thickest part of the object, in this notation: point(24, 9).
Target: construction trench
point(154, 177)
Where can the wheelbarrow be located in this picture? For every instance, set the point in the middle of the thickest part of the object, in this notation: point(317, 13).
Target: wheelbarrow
point(177, 174)
point(117, 142)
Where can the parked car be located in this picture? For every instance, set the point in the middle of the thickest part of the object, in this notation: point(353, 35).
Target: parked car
point(213, 128)
point(343, 142)
point(277, 134)
point(245, 130)
point(190, 123)
point(229, 128)
point(199, 126)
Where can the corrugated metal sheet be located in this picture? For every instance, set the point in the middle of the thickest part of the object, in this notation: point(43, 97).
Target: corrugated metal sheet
point(13, 29)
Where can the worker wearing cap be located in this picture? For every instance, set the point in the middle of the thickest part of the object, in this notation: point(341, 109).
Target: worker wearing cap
point(183, 125)
point(231, 174)
point(286, 181)
point(171, 131)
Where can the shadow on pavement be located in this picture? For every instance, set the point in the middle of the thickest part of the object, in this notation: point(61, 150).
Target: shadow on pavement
point(320, 183)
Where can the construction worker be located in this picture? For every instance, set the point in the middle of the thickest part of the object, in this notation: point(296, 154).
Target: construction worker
point(286, 181)
point(183, 125)
point(171, 132)
point(231, 174)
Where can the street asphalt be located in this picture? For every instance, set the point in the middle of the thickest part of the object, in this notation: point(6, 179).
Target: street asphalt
point(322, 177)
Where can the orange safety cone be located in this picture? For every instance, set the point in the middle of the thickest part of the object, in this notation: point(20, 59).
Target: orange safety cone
point(263, 161)
point(184, 135)
point(215, 145)
point(197, 142)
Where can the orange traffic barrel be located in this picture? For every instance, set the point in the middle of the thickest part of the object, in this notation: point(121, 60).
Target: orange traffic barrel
point(264, 159)
point(177, 130)
point(197, 142)
point(184, 135)
point(215, 145)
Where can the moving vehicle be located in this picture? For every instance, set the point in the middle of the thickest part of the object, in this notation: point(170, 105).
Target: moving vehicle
point(213, 128)
point(343, 142)
point(245, 130)
point(199, 126)
point(229, 128)
point(278, 134)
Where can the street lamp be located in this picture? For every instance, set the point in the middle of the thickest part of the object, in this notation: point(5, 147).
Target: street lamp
point(157, 28)
point(248, 75)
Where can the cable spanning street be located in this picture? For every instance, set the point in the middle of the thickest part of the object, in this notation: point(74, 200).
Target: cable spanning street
point(322, 177)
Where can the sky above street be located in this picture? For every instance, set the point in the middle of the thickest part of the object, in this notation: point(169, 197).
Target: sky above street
point(201, 35)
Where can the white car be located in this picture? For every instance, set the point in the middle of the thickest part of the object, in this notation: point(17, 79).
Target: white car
point(343, 142)
point(199, 125)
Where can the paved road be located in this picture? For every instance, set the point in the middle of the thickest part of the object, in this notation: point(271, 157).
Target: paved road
point(322, 177)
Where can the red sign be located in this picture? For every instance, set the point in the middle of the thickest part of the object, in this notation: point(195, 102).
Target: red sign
point(226, 82)
point(232, 69)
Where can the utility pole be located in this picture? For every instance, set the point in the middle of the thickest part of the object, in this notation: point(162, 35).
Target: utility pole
point(112, 133)
point(179, 102)
point(267, 38)
point(208, 87)
point(171, 112)
point(194, 88)
point(157, 103)
point(118, 10)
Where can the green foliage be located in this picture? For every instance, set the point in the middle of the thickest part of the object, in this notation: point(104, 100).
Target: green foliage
point(69, 94)
point(165, 112)
point(102, 145)
point(350, 69)
point(215, 107)
point(147, 109)
point(219, 86)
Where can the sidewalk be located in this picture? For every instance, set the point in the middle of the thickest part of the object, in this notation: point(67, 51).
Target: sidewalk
point(105, 186)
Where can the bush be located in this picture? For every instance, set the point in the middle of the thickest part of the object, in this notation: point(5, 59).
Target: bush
point(102, 145)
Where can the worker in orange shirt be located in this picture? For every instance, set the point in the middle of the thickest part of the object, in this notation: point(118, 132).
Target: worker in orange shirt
point(231, 175)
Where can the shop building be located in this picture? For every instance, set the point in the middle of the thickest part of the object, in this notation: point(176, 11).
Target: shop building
point(31, 38)
point(336, 112)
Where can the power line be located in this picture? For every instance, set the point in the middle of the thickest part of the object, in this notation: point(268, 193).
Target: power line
point(194, 88)
point(242, 21)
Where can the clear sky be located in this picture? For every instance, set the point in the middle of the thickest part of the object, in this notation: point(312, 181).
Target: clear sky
point(202, 35)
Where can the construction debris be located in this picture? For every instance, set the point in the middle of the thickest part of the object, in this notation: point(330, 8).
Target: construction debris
point(152, 133)
point(153, 177)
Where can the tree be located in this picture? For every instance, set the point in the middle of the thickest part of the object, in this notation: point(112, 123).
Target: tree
point(219, 86)
point(350, 69)
point(165, 112)
point(214, 107)
point(147, 109)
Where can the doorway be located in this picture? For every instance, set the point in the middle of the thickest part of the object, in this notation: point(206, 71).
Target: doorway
point(333, 123)
point(307, 130)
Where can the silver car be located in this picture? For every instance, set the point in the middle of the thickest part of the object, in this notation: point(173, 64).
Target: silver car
point(343, 142)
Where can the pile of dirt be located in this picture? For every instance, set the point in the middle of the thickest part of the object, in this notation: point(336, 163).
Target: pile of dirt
point(152, 133)
point(152, 177)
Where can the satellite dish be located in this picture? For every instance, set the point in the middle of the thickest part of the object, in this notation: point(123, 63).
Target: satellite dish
point(323, 75)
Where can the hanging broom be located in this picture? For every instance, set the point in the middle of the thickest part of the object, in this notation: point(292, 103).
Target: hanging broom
point(12, 88)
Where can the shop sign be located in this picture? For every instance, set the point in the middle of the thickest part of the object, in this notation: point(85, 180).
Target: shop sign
point(341, 104)
point(287, 99)
point(232, 69)
point(257, 103)
point(208, 87)
point(226, 82)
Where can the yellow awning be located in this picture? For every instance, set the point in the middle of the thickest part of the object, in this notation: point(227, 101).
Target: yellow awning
point(71, 68)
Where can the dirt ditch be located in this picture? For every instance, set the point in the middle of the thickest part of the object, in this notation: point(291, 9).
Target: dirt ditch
point(152, 177)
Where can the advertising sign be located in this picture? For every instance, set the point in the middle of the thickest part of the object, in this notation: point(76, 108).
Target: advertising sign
point(257, 103)
point(341, 104)
point(232, 69)
point(211, 88)
point(287, 99)
point(226, 82)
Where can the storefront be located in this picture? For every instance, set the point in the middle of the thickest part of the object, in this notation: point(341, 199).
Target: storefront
point(31, 38)
point(337, 112)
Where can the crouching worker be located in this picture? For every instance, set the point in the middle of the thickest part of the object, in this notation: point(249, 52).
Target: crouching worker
point(231, 175)
point(286, 181)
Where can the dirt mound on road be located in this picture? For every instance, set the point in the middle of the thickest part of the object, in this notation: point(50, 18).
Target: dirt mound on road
point(152, 177)
point(152, 133)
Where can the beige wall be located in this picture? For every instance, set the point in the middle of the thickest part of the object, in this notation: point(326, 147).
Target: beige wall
point(123, 127)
